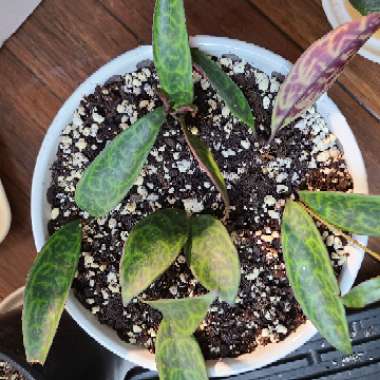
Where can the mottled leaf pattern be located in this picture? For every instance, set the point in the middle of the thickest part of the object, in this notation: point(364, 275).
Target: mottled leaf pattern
point(185, 314)
point(225, 87)
point(171, 52)
point(112, 174)
point(207, 163)
point(178, 357)
point(318, 68)
point(47, 288)
point(366, 6)
point(312, 277)
point(213, 257)
point(356, 213)
point(364, 294)
point(152, 246)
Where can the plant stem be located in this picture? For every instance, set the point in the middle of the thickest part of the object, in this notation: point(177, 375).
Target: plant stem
point(338, 232)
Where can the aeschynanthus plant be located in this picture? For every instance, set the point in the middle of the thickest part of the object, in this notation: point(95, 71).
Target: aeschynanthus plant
point(318, 68)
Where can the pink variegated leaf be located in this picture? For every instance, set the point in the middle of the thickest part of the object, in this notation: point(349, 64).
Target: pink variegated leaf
point(318, 68)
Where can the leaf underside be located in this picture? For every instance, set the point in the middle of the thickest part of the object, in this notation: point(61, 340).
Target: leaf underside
point(213, 257)
point(355, 213)
point(206, 160)
point(318, 68)
point(171, 52)
point(312, 277)
point(178, 357)
point(111, 175)
point(152, 246)
point(366, 293)
point(228, 90)
point(47, 288)
point(366, 7)
point(185, 314)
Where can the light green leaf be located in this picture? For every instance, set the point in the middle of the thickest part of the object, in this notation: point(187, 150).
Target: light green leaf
point(228, 90)
point(178, 357)
point(171, 52)
point(364, 294)
point(152, 246)
point(213, 258)
point(112, 174)
point(185, 314)
point(356, 213)
point(312, 277)
point(47, 288)
point(366, 7)
point(207, 163)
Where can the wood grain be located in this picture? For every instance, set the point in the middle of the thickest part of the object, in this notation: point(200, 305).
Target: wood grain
point(65, 41)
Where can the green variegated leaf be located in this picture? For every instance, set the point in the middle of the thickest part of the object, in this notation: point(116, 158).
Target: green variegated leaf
point(366, 7)
point(178, 357)
point(312, 277)
point(225, 87)
point(207, 163)
point(47, 288)
point(364, 294)
point(185, 314)
point(112, 174)
point(213, 257)
point(152, 246)
point(171, 52)
point(356, 213)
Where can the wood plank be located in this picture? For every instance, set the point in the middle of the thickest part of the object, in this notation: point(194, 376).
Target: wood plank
point(304, 21)
point(66, 41)
point(26, 109)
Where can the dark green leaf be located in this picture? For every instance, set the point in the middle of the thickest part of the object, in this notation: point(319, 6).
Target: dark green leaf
point(213, 257)
point(226, 88)
point(356, 213)
point(47, 288)
point(364, 294)
point(312, 277)
point(152, 246)
point(366, 7)
point(171, 51)
point(112, 174)
point(178, 357)
point(185, 314)
point(206, 160)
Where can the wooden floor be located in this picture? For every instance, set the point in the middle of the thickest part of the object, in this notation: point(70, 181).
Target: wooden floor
point(65, 41)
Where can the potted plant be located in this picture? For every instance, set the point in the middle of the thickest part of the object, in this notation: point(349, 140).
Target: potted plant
point(181, 197)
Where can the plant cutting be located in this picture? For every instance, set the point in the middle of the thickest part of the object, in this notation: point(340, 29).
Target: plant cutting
point(129, 167)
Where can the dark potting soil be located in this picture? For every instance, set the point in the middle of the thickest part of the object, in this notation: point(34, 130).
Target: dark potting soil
point(259, 179)
point(7, 372)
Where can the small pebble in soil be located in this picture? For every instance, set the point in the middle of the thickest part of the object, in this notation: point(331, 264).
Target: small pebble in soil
point(7, 372)
point(259, 178)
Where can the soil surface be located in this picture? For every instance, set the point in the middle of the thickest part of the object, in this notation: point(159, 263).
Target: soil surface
point(259, 178)
point(9, 373)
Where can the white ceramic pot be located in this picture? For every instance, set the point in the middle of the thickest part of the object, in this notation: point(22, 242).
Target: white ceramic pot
point(339, 12)
point(260, 58)
point(5, 214)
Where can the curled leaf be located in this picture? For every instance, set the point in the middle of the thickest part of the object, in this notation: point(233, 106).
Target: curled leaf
point(47, 288)
point(213, 257)
point(225, 87)
point(178, 357)
point(185, 314)
point(364, 294)
point(318, 68)
point(112, 174)
point(171, 52)
point(366, 7)
point(312, 277)
point(356, 213)
point(206, 160)
point(152, 246)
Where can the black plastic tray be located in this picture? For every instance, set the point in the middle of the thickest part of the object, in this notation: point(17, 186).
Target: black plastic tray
point(317, 359)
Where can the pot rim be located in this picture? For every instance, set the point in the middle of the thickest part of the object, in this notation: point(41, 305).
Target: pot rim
point(262, 59)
